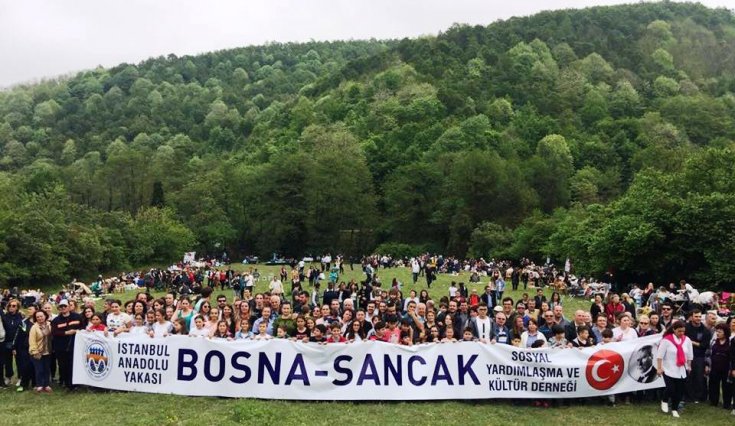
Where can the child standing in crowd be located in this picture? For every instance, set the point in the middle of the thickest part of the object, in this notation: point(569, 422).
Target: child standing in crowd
point(449, 336)
point(302, 333)
point(336, 335)
point(244, 332)
point(317, 335)
point(281, 332)
point(467, 335)
point(583, 339)
point(139, 328)
point(222, 332)
point(558, 341)
point(96, 324)
point(262, 332)
point(161, 327)
point(199, 329)
point(180, 327)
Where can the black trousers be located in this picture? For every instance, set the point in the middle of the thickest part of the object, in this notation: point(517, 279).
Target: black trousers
point(52, 360)
point(718, 381)
point(674, 391)
point(64, 358)
point(26, 372)
point(696, 389)
point(2, 362)
point(7, 362)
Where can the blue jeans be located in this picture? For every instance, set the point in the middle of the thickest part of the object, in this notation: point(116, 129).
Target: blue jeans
point(42, 368)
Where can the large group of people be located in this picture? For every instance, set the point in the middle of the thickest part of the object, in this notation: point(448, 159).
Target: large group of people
point(696, 356)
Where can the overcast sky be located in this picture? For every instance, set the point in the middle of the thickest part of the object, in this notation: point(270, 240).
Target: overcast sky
point(46, 38)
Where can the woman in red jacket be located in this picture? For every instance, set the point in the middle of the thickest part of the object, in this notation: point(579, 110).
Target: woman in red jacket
point(613, 308)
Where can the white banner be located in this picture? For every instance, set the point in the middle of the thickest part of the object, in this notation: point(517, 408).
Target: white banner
point(281, 369)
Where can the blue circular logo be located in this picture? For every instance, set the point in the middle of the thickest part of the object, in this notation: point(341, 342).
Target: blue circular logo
point(99, 360)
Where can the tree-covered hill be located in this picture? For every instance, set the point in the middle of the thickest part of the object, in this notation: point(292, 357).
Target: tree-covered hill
point(602, 134)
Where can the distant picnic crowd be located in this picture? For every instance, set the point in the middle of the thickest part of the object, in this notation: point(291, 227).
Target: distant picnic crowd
point(696, 355)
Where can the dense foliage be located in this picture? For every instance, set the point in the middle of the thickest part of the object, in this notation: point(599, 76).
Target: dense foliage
point(602, 134)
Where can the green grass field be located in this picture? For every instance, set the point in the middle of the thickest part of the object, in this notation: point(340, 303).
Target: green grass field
point(98, 407)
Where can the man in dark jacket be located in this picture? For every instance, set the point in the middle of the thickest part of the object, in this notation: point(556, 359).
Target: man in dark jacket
point(63, 329)
point(700, 337)
point(570, 330)
point(488, 298)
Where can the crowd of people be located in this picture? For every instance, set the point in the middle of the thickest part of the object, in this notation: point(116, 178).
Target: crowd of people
point(696, 356)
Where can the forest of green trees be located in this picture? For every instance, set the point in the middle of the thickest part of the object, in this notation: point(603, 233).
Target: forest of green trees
point(603, 134)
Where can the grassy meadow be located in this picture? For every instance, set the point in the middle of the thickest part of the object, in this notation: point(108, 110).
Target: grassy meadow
point(102, 407)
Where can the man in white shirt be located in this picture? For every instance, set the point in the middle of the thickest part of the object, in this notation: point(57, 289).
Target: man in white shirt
point(249, 282)
point(276, 286)
point(482, 324)
point(415, 269)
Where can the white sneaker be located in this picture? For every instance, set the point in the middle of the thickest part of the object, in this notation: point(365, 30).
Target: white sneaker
point(675, 414)
point(733, 412)
point(7, 381)
point(665, 407)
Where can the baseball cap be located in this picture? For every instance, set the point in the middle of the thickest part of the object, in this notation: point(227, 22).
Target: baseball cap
point(64, 302)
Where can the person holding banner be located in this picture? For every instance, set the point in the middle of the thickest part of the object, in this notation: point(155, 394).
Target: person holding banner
point(674, 362)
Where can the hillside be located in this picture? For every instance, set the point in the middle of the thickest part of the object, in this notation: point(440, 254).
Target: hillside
point(601, 134)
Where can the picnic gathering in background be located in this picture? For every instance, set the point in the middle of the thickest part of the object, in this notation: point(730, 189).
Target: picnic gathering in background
point(306, 301)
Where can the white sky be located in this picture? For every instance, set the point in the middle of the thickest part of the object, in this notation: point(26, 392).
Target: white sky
point(45, 38)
